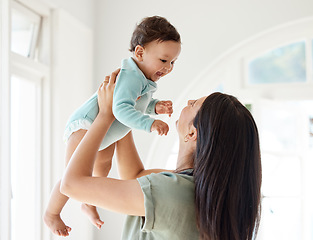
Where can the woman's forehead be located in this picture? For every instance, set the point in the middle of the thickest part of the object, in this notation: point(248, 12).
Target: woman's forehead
point(199, 101)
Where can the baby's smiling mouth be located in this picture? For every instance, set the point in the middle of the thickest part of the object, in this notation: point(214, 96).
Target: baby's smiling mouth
point(159, 74)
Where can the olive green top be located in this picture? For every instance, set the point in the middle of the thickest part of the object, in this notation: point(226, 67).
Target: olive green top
point(169, 209)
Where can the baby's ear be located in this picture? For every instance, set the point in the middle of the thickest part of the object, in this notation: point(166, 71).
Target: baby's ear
point(139, 50)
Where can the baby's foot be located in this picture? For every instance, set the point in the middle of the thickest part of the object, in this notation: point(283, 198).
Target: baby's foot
point(93, 215)
point(56, 225)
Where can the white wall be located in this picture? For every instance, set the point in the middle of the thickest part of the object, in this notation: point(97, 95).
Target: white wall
point(82, 10)
point(71, 85)
point(72, 79)
point(208, 29)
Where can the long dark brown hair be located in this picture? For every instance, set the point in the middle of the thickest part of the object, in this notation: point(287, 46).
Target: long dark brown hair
point(227, 170)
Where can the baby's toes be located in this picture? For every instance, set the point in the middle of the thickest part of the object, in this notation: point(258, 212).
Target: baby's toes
point(99, 223)
point(57, 232)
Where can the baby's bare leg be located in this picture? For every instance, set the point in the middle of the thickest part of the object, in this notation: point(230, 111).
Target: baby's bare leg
point(57, 200)
point(101, 169)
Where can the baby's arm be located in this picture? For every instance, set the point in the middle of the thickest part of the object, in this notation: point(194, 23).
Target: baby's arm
point(160, 126)
point(127, 90)
point(164, 107)
point(160, 107)
point(151, 109)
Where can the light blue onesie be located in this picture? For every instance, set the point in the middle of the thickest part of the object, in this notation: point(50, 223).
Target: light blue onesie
point(132, 101)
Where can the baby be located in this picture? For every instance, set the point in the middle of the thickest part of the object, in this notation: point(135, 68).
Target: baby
point(155, 45)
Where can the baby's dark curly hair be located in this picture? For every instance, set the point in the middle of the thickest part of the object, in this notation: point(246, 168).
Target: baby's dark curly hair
point(151, 29)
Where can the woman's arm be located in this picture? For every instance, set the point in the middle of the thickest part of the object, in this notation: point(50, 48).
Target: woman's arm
point(124, 196)
point(128, 160)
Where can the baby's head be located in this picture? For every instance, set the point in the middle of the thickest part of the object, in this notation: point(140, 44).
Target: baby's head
point(155, 45)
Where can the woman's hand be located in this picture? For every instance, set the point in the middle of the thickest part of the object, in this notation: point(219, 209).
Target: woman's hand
point(105, 93)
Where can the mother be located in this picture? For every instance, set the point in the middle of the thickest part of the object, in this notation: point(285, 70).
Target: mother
point(214, 194)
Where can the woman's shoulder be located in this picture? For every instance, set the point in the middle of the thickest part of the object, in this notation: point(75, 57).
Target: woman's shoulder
point(172, 176)
point(169, 205)
point(168, 183)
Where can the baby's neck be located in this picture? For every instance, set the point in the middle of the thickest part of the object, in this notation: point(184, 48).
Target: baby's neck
point(138, 65)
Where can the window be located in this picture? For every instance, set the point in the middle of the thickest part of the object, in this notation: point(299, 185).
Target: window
point(25, 26)
point(25, 156)
point(286, 160)
point(24, 90)
point(282, 65)
point(27, 77)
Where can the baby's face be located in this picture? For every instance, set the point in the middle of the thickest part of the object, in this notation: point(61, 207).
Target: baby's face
point(158, 59)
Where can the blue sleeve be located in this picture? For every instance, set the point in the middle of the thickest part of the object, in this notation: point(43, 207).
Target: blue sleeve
point(151, 107)
point(128, 88)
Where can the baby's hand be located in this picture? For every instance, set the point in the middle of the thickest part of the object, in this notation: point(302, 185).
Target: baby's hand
point(159, 126)
point(164, 107)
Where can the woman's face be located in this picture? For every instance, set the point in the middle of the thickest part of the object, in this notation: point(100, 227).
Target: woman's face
point(187, 116)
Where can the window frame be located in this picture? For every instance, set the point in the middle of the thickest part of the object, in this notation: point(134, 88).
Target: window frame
point(276, 38)
point(32, 15)
point(303, 153)
point(15, 64)
point(256, 93)
point(4, 121)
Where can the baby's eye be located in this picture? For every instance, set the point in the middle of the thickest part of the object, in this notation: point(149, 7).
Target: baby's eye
point(173, 62)
point(162, 60)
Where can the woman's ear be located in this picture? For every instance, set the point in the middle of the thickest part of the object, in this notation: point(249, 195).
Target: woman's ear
point(139, 50)
point(193, 134)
